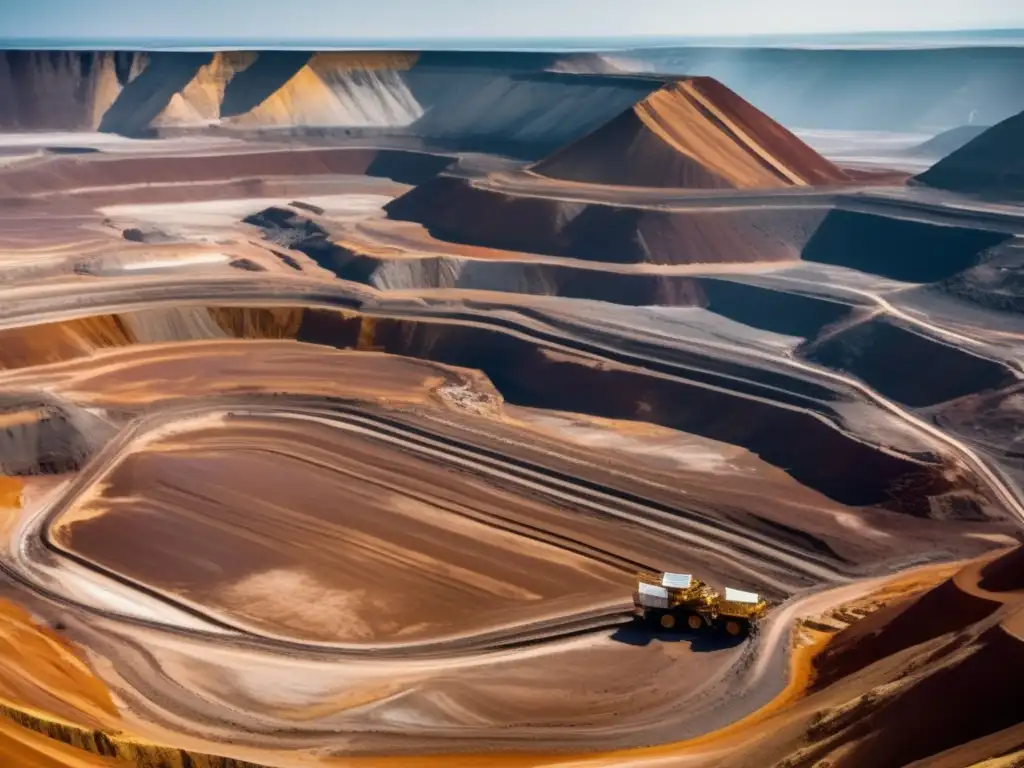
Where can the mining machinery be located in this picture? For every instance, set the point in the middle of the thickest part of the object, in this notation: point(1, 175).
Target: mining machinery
point(679, 601)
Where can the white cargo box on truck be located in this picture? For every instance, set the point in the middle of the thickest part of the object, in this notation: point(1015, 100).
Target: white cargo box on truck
point(739, 596)
point(676, 580)
point(652, 596)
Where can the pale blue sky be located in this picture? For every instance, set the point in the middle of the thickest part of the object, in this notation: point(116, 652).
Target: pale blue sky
point(292, 21)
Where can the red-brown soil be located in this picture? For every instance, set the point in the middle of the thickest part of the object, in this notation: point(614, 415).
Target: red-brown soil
point(953, 663)
point(456, 210)
point(692, 133)
point(434, 457)
point(71, 175)
point(524, 371)
point(320, 533)
point(42, 671)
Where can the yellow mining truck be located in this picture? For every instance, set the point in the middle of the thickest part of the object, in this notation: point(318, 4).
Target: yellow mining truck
point(679, 601)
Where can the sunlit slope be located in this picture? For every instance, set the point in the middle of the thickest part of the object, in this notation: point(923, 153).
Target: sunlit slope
point(529, 104)
point(692, 133)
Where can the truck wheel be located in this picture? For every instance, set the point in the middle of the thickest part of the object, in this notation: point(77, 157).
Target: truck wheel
point(668, 621)
point(695, 622)
point(734, 628)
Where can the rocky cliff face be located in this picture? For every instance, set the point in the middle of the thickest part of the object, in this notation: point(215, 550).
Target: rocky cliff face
point(906, 90)
point(62, 90)
point(49, 438)
point(519, 100)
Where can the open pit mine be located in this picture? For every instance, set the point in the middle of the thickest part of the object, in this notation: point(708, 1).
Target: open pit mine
point(409, 410)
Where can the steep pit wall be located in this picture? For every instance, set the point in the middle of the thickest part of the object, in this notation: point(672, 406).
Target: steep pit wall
point(48, 437)
point(777, 311)
point(457, 211)
point(294, 229)
point(901, 249)
point(809, 449)
point(523, 279)
point(61, 90)
point(791, 314)
point(990, 419)
point(942, 610)
point(947, 664)
point(997, 282)
point(771, 419)
point(901, 363)
point(528, 104)
point(1004, 574)
point(957, 690)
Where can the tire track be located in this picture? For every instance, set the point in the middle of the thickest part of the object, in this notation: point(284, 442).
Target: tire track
point(589, 496)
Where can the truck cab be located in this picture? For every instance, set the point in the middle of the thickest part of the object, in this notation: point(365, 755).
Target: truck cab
point(739, 611)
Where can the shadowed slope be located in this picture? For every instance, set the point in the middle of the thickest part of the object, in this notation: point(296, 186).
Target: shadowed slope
point(457, 211)
point(990, 165)
point(692, 133)
point(253, 85)
point(528, 105)
point(898, 248)
point(1004, 574)
point(148, 95)
point(948, 663)
point(42, 90)
point(905, 365)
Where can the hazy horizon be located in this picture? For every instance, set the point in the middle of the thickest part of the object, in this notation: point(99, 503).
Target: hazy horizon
point(458, 23)
point(1011, 37)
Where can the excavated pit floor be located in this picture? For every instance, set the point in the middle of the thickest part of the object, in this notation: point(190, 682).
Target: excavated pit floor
point(322, 531)
point(530, 512)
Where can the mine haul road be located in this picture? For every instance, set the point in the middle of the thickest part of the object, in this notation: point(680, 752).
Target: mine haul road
point(897, 201)
point(761, 673)
point(32, 546)
point(33, 543)
point(139, 294)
